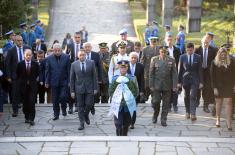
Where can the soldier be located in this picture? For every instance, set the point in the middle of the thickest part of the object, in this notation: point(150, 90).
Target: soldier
point(162, 80)
point(180, 39)
point(149, 52)
point(104, 57)
point(129, 44)
point(113, 66)
point(154, 32)
point(32, 35)
point(24, 33)
point(9, 43)
point(123, 90)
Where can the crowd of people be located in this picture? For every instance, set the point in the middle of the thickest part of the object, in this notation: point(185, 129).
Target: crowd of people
point(71, 73)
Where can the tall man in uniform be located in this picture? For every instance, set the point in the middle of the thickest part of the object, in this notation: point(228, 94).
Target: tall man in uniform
point(24, 34)
point(162, 80)
point(148, 52)
point(105, 59)
point(9, 43)
point(15, 55)
point(129, 44)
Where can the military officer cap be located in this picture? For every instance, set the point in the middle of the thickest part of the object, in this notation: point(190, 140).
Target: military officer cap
point(167, 26)
point(163, 48)
point(153, 38)
point(155, 22)
point(23, 25)
point(37, 21)
point(9, 33)
point(210, 33)
point(121, 44)
point(103, 45)
point(123, 63)
point(32, 25)
point(123, 31)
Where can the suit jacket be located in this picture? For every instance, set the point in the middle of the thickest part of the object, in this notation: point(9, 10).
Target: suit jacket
point(139, 70)
point(12, 61)
point(176, 54)
point(86, 36)
point(190, 74)
point(42, 68)
point(98, 64)
point(71, 52)
point(82, 83)
point(25, 78)
point(43, 47)
point(64, 43)
point(57, 72)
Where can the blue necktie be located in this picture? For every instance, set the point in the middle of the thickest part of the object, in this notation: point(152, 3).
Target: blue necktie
point(132, 70)
point(83, 68)
point(20, 54)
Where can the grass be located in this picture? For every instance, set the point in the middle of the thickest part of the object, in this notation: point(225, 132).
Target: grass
point(214, 22)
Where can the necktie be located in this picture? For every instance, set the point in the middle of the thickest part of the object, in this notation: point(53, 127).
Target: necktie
point(37, 49)
point(20, 54)
point(76, 51)
point(83, 68)
point(204, 64)
point(28, 67)
point(88, 57)
point(132, 69)
point(190, 60)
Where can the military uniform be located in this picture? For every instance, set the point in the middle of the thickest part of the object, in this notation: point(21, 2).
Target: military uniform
point(162, 78)
point(129, 47)
point(122, 118)
point(32, 35)
point(9, 44)
point(105, 59)
point(148, 53)
point(24, 33)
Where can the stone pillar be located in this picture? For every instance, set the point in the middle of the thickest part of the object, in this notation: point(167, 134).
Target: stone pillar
point(35, 11)
point(150, 10)
point(167, 12)
point(234, 27)
point(194, 10)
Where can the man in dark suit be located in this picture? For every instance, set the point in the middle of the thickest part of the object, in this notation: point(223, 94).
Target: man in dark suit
point(136, 69)
point(138, 50)
point(190, 77)
point(175, 53)
point(14, 55)
point(90, 55)
point(27, 72)
point(37, 46)
point(57, 77)
point(207, 54)
point(84, 34)
point(83, 85)
point(74, 47)
point(41, 79)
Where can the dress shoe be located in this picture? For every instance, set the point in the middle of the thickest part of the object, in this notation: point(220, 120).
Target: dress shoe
point(76, 109)
point(93, 110)
point(230, 129)
point(32, 123)
point(87, 120)
point(193, 118)
point(14, 114)
point(175, 108)
point(55, 118)
point(163, 123)
point(70, 111)
point(217, 125)
point(187, 116)
point(81, 127)
point(64, 113)
point(205, 109)
point(132, 126)
point(27, 121)
point(154, 120)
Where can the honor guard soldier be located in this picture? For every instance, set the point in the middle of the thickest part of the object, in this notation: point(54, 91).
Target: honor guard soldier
point(162, 80)
point(113, 66)
point(9, 43)
point(24, 34)
point(149, 52)
point(123, 91)
point(129, 44)
point(32, 35)
point(104, 57)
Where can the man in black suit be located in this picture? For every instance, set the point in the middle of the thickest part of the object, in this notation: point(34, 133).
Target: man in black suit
point(138, 50)
point(136, 69)
point(190, 77)
point(74, 47)
point(27, 72)
point(37, 46)
point(14, 55)
point(90, 55)
point(41, 80)
point(175, 53)
point(83, 83)
point(207, 54)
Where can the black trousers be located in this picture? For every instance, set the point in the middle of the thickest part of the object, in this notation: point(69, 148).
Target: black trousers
point(190, 98)
point(15, 96)
point(174, 98)
point(123, 122)
point(41, 93)
point(28, 98)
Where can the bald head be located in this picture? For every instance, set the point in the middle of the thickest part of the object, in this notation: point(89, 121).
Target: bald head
point(87, 47)
point(28, 54)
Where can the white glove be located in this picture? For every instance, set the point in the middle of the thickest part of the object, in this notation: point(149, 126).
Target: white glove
point(1, 73)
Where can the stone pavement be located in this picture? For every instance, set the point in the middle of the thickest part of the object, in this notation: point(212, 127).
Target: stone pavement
point(103, 19)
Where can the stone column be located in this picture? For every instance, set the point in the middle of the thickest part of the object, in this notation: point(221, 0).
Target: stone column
point(194, 15)
point(150, 10)
point(167, 12)
point(234, 27)
point(35, 11)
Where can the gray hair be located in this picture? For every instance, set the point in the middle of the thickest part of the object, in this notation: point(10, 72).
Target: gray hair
point(86, 44)
point(56, 45)
point(134, 54)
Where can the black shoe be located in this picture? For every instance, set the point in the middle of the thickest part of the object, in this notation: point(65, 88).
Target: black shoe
point(163, 123)
point(70, 111)
point(76, 109)
point(64, 113)
point(205, 109)
point(32, 123)
point(81, 127)
point(87, 120)
point(15, 114)
point(27, 121)
point(132, 126)
point(93, 110)
point(175, 108)
point(154, 120)
point(55, 118)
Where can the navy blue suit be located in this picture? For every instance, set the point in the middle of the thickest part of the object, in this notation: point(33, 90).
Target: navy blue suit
point(57, 77)
point(190, 76)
